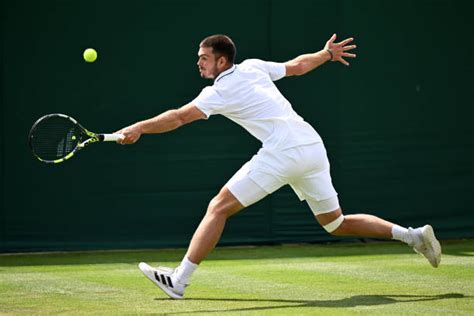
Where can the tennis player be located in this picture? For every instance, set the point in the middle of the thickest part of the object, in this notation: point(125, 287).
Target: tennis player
point(292, 153)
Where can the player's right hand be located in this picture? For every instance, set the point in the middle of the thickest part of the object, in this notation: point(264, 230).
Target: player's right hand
point(131, 135)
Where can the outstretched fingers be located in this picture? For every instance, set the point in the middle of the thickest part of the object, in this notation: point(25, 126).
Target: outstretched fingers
point(346, 41)
point(343, 61)
point(349, 47)
point(339, 50)
point(349, 55)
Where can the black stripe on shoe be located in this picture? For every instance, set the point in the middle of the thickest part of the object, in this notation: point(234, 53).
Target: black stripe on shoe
point(157, 277)
point(163, 280)
point(169, 281)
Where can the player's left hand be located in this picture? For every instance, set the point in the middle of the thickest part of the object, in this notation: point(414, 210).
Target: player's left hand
point(339, 50)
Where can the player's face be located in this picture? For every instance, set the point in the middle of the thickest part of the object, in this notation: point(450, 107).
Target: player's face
point(207, 63)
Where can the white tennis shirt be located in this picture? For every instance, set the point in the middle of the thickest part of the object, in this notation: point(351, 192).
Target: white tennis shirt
point(246, 94)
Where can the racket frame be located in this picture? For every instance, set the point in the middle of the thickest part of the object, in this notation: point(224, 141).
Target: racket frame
point(93, 138)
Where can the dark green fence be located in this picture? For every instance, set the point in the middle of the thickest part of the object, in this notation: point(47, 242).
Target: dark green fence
point(397, 123)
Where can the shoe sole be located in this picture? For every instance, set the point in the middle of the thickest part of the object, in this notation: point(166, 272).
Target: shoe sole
point(148, 271)
point(432, 244)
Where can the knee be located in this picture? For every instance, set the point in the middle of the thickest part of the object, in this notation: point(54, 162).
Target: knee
point(340, 230)
point(333, 222)
point(336, 226)
point(223, 204)
point(216, 208)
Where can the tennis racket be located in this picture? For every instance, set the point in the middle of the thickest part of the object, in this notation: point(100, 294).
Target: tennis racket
point(55, 138)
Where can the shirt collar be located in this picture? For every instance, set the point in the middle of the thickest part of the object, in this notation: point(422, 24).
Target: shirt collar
point(225, 73)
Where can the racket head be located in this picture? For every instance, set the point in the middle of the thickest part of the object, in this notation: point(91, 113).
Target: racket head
point(56, 137)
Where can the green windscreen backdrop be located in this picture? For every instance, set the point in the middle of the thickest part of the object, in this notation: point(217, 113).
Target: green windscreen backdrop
point(397, 123)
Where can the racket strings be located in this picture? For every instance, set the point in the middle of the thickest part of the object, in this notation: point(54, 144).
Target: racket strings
point(54, 138)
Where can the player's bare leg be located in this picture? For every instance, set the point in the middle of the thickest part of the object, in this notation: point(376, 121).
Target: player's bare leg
point(212, 225)
point(208, 233)
point(360, 225)
point(421, 239)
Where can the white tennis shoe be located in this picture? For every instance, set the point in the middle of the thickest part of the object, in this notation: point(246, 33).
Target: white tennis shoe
point(426, 244)
point(163, 278)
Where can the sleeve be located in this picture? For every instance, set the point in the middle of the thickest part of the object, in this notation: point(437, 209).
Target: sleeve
point(276, 71)
point(209, 101)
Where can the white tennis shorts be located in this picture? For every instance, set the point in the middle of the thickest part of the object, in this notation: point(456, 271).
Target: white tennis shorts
point(304, 168)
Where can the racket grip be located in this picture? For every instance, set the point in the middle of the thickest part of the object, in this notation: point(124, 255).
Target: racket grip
point(112, 137)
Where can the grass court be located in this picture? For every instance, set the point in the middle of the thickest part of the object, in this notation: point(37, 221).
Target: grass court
point(383, 278)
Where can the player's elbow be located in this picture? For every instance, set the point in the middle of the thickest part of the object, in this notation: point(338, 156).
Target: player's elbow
point(180, 118)
point(188, 113)
point(294, 68)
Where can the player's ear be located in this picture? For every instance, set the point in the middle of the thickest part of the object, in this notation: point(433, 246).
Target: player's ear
point(221, 61)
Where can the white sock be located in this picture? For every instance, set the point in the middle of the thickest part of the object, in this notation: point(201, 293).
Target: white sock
point(402, 234)
point(184, 271)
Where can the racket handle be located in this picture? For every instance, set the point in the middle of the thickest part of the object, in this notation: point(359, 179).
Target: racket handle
point(112, 137)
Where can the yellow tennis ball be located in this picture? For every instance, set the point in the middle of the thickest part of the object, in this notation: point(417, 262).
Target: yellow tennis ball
point(90, 55)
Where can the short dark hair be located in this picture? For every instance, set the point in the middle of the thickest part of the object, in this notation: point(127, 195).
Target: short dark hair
point(221, 45)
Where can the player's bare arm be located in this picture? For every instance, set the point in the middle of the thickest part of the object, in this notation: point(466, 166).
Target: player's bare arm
point(331, 52)
point(165, 122)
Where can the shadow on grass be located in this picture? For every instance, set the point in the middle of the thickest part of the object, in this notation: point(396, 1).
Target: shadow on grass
point(357, 300)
